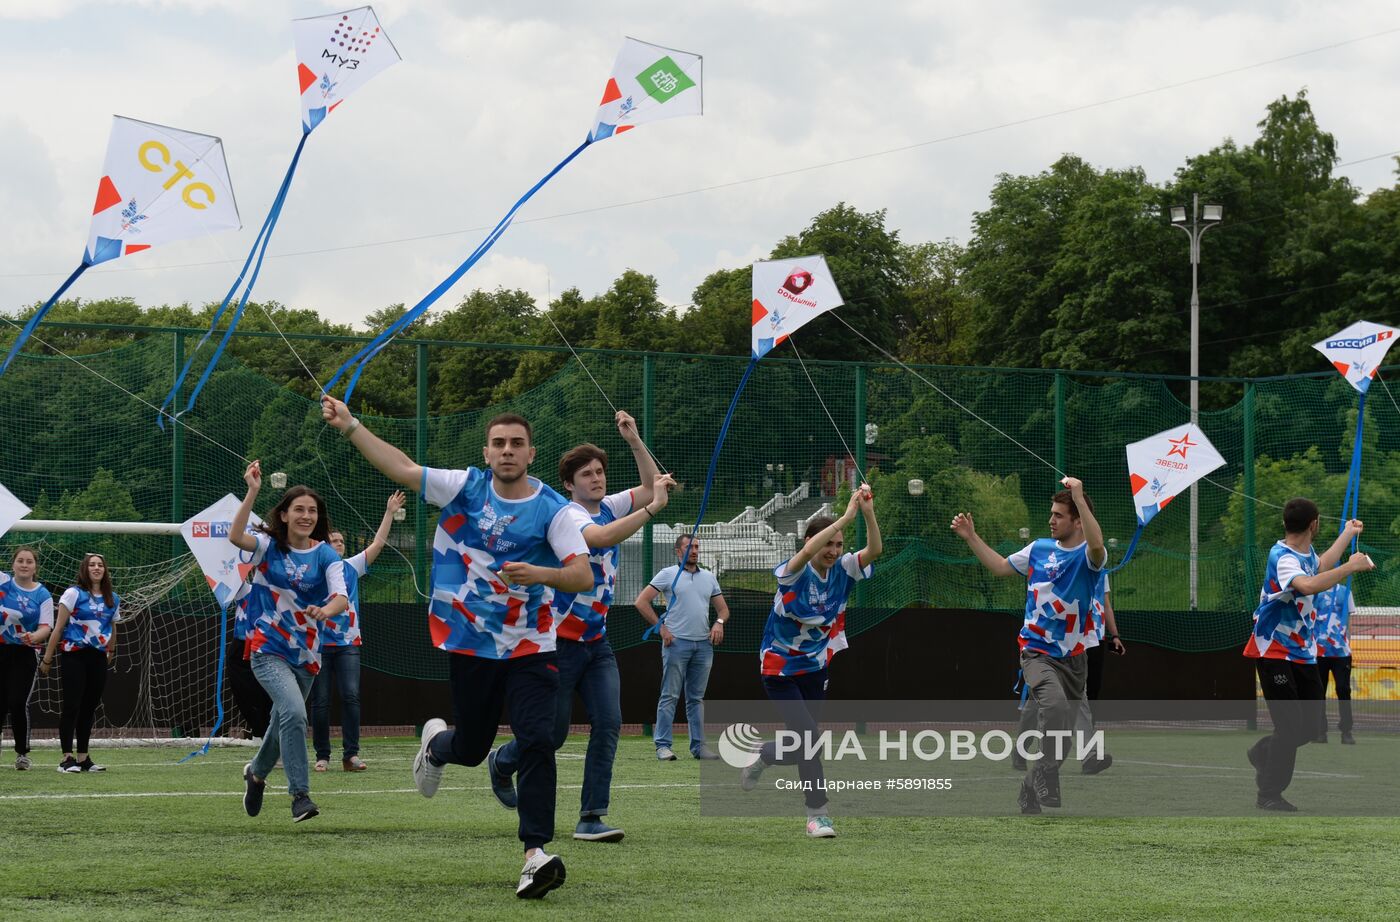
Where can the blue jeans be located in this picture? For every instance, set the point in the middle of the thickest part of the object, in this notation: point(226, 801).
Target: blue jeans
point(685, 666)
point(287, 686)
point(591, 669)
point(345, 663)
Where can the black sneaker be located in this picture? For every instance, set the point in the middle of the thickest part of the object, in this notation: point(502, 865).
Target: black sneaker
point(501, 785)
point(1348, 739)
point(69, 764)
point(1274, 803)
point(1092, 765)
point(1046, 779)
point(252, 791)
point(87, 765)
point(1027, 799)
point(303, 808)
point(1321, 738)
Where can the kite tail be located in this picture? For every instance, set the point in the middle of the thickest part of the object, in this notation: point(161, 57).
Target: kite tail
point(1132, 546)
point(260, 245)
point(272, 215)
point(218, 688)
point(709, 482)
point(1351, 503)
point(360, 359)
point(39, 314)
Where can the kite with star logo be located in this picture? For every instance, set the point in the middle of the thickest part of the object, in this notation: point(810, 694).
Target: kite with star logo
point(1161, 466)
point(158, 185)
point(336, 54)
point(648, 83)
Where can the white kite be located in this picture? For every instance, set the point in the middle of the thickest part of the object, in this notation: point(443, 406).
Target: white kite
point(336, 55)
point(1358, 351)
point(648, 83)
point(207, 534)
point(787, 294)
point(11, 510)
point(1161, 466)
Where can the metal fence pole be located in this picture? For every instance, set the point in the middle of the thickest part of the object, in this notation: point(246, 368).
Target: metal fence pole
point(177, 458)
point(648, 418)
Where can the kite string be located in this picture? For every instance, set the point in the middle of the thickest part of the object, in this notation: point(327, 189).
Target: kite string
point(839, 434)
point(134, 396)
point(947, 396)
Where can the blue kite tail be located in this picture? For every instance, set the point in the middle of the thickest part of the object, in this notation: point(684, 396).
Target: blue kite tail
point(25, 333)
point(376, 345)
point(709, 482)
point(218, 688)
point(272, 214)
point(1351, 503)
point(1132, 546)
point(1021, 690)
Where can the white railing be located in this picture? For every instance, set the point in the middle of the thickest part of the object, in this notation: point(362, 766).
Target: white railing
point(825, 509)
point(778, 503)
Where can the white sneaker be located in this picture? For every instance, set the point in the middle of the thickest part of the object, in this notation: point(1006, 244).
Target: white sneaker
point(665, 755)
point(541, 874)
point(426, 775)
point(22, 763)
point(748, 775)
point(819, 827)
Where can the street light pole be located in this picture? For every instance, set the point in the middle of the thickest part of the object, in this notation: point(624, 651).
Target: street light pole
point(1194, 230)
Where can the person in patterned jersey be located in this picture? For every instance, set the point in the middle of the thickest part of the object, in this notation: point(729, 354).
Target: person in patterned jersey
point(1283, 644)
point(86, 628)
point(1064, 576)
point(504, 542)
point(585, 658)
point(805, 629)
point(298, 584)
point(26, 620)
point(1334, 609)
point(340, 653)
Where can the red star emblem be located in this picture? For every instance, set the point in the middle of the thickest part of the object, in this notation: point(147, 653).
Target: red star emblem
point(1180, 445)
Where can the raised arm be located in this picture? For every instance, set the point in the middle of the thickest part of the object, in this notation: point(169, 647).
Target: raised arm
point(964, 528)
point(619, 530)
point(390, 461)
point(238, 529)
point(874, 545)
point(1329, 558)
point(1093, 534)
point(646, 465)
point(814, 544)
point(1326, 579)
point(381, 535)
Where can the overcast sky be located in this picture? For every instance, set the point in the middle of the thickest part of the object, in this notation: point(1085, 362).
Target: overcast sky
point(490, 95)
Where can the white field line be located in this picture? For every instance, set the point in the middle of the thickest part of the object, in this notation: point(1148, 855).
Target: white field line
point(124, 795)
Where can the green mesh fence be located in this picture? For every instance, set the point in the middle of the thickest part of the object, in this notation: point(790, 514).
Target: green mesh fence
point(80, 448)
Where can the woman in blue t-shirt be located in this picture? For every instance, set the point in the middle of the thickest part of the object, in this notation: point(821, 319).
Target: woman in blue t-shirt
point(26, 620)
point(806, 628)
point(86, 628)
point(298, 582)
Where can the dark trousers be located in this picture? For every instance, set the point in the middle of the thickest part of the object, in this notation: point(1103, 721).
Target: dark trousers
point(1293, 693)
point(83, 675)
point(799, 699)
point(340, 665)
point(18, 665)
point(527, 690)
point(1339, 667)
point(1094, 681)
point(248, 694)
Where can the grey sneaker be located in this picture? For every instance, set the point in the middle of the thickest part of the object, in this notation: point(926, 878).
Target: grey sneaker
point(426, 775)
point(748, 775)
point(706, 754)
point(664, 754)
point(303, 808)
point(501, 785)
point(819, 827)
point(541, 874)
point(22, 763)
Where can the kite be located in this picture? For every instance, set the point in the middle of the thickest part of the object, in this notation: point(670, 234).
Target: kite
point(648, 83)
point(787, 294)
point(207, 535)
point(336, 55)
point(11, 510)
point(159, 185)
point(1161, 467)
point(1357, 353)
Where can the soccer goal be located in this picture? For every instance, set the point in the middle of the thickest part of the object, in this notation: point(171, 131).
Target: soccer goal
point(164, 685)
